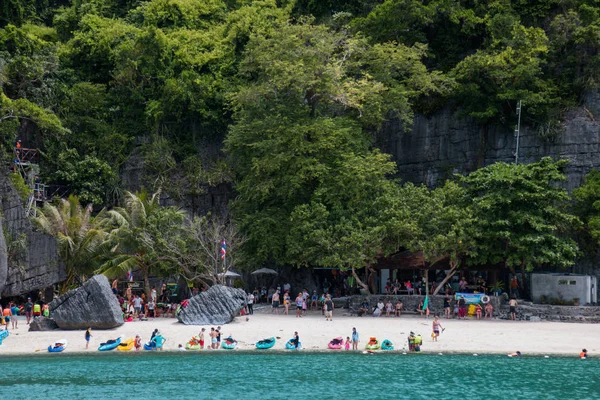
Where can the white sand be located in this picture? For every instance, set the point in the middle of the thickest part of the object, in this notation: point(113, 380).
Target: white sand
point(468, 336)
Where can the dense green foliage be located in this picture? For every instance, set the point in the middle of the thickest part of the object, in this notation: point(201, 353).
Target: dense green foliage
point(296, 91)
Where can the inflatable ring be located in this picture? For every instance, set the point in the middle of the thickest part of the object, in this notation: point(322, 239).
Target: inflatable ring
point(485, 299)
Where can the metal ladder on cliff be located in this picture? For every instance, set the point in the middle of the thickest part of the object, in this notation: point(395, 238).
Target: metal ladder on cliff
point(30, 209)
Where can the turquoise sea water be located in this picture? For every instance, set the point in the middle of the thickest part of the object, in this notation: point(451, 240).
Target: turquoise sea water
point(298, 375)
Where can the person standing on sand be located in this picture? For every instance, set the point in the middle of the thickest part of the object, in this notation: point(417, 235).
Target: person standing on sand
point(313, 301)
point(399, 307)
point(328, 308)
point(6, 315)
point(88, 336)
point(28, 310)
point(299, 305)
point(275, 302)
point(286, 303)
point(14, 311)
point(436, 328)
point(513, 304)
point(138, 342)
point(347, 344)
point(128, 293)
point(489, 310)
point(160, 341)
point(354, 339)
point(213, 338)
point(218, 331)
point(250, 302)
point(447, 306)
point(201, 338)
point(137, 305)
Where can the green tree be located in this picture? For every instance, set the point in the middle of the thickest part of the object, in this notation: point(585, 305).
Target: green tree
point(521, 217)
point(588, 205)
point(443, 225)
point(79, 235)
point(142, 232)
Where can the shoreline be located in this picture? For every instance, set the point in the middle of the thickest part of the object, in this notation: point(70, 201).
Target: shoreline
point(466, 337)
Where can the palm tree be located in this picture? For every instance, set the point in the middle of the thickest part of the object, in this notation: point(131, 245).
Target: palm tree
point(140, 231)
point(78, 235)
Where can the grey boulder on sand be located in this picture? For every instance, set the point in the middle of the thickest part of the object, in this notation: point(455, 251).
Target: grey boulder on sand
point(91, 305)
point(42, 324)
point(218, 305)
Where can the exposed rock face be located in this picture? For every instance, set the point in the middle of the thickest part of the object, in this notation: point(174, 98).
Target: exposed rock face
point(40, 266)
point(442, 144)
point(42, 324)
point(91, 305)
point(217, 306)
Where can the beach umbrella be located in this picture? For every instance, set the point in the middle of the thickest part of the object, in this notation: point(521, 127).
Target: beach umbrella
point(264, 271)
point(230, 274)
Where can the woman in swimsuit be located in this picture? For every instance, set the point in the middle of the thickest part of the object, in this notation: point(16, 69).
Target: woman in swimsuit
point(436, 328)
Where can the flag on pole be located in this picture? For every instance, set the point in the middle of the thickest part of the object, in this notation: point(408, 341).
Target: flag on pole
point(223, 249)
point(130, 276)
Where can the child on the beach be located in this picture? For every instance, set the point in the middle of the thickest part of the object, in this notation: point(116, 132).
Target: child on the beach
point(304, 306)
point(88, 335)
point(138, 342)
point(347, 344)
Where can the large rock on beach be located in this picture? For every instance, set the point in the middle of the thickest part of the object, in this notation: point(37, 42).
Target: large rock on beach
point(43, 324)
point(91, 305)
point(216, 306)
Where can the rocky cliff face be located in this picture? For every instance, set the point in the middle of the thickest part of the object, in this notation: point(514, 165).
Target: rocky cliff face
point(442, 144)
point(40, 266)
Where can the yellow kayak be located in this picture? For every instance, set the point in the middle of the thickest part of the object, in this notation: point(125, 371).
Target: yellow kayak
point(126, 345)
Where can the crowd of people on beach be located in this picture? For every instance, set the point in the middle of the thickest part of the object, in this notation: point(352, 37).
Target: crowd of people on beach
point(30, 309)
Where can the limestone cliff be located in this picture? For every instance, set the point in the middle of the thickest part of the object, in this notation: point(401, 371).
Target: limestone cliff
point(442, 144)
point(40, 266)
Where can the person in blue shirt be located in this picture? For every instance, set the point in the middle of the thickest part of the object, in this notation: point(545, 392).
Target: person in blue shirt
point(355, 339)
point(159, 340)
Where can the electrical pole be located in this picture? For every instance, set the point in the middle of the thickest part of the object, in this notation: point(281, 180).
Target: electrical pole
point(518, 132)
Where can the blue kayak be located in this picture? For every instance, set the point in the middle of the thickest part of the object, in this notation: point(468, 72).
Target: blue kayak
point(266, 343)
point(58, 347)
point(290, 345)
point(387, 345)
point(3, 335)
point(110, 346)
point(150, 346)
point(229, 343)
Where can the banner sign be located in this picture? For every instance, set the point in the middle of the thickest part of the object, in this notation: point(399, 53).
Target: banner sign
point(470, 298)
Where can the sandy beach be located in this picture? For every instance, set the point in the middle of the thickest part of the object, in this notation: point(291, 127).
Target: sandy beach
point(464, 336)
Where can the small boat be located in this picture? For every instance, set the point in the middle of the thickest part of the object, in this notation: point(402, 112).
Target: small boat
point(150, 346)
point(387, 345)
point(336, 343)
point(3, 335)
point(110, 345)
point(290, 345)
point(126, 345)
point(193, 344)
point(373, 344)
point(229, 343)
point(266, 343)
point(59, 346)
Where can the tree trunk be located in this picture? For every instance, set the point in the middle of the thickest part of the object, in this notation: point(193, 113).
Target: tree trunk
point(371, 281)
point(426, 282)
point(146, 282)
point(453, 270)
point(361, 283)
point(523, 280)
